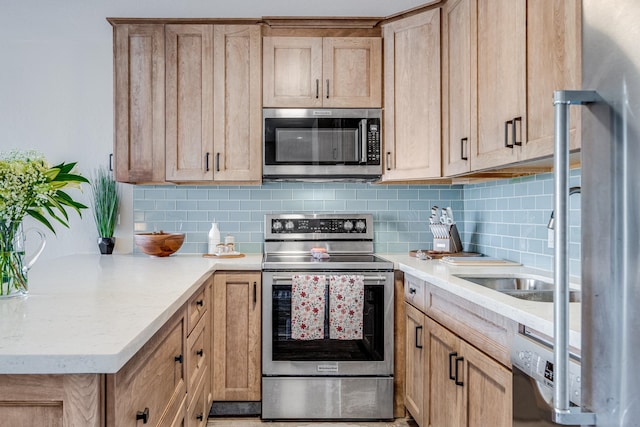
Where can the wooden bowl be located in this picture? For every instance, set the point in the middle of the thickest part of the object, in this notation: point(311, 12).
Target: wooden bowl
point(159, 244)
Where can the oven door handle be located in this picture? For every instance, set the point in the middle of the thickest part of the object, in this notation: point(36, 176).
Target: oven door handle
point(366, 278)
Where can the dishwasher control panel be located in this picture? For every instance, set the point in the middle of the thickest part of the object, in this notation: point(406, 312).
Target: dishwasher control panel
point(536, 360)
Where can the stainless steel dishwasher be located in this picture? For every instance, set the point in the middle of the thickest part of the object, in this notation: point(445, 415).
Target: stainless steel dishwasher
point(532, 360)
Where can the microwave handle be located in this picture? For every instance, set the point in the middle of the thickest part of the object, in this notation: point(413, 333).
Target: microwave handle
point(363, 140)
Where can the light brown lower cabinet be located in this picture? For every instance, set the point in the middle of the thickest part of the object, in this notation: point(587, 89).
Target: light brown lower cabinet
point(51, 400)
point(236, 336)
point(166, 383)
point(449, 382)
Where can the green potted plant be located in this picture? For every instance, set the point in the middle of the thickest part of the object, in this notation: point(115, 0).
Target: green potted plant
point(105, 203)
point(30, 186)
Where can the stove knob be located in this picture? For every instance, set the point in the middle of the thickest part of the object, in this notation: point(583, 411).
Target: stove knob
point(276, 226)
point(360, 226)
point(348, 225)
point(289, 225)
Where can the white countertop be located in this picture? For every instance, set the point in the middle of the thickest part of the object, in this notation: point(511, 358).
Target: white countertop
point(535, 315)
point(92, 313)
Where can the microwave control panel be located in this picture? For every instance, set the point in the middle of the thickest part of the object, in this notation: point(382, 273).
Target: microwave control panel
point(373, 144)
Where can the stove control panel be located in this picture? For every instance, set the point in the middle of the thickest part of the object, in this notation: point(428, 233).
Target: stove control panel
point(346, 225)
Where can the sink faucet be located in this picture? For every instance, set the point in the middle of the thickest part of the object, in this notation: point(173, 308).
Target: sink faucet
point(572, 191)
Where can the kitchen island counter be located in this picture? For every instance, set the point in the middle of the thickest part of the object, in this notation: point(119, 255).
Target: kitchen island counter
point(92, 313)
point(535, 315)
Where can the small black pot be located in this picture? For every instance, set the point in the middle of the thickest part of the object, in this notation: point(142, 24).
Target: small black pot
point(106, 245)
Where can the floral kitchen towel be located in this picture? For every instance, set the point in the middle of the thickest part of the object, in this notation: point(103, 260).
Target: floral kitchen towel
point(307, 307)
point(346, 307)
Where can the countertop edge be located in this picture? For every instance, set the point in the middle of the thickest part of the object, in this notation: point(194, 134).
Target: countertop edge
point(13, 361)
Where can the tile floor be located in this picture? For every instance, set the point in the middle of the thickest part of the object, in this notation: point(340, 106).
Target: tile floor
point(256, 422)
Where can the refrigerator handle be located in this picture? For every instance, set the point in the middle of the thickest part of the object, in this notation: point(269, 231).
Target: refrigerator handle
point(562, 412)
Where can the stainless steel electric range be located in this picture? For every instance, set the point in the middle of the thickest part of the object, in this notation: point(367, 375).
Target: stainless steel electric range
point(329, 376)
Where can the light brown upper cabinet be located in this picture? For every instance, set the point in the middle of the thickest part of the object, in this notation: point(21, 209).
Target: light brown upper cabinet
point(502, 61)
point(412, 121)
point(328, 72)
point(554, 62)
point(189, 105)
point(458, 83)
point(501, 97)
point(139, 102)
point(213, 103)
point(187, 102)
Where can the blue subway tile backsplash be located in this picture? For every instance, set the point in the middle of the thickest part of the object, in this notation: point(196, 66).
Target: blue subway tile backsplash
point(505, 218)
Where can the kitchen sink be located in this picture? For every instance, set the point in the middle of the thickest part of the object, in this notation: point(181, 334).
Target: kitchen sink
point(521, 287)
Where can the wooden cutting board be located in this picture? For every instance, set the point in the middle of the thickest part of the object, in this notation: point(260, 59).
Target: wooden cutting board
point(478, 261)
point(438, 255)
point(232, 255)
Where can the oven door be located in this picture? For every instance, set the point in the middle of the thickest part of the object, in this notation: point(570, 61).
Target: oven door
point(372, 355)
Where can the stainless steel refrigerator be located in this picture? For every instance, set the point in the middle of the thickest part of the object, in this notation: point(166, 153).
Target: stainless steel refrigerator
point(610, 219)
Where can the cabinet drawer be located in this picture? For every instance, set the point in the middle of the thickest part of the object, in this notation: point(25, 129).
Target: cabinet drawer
point(152, 383)
point(179, 418)
point(196, 307)
point(198, 411)
point(485, 329)
point(415, 291)
point(197, 353)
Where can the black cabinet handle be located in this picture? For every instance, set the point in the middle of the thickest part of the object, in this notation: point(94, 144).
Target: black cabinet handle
point(451, 356)
point(200, 352)
point(144, 415)
point(327, 88)
point(217, 162)
point(412, 291)
point(200, 417)
point(178, 359)
point(506, 134)
point(255, 293)
point(206, 162)
point(418, 328)
point(317, 88)
point(111, 162)
point(200, 303)
point(463, 142)
point(457, 380)
point(517, 141)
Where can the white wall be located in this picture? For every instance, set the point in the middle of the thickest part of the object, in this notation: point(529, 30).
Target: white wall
point(56, 81)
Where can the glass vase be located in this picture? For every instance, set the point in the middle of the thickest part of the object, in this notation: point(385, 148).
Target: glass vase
point(14, 263)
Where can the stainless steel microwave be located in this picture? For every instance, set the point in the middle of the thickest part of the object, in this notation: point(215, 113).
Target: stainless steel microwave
point(321, 144)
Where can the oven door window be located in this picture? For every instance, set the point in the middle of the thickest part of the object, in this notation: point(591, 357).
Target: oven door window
point(369, 348)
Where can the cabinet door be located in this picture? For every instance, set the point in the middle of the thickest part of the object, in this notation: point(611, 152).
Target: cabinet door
point(236, 337)
point(487, 389)
point(443, 398)
point(553, 63)
point(189, 105)
point(237, 96)
point(459, 86)
point(414, 363)
point(352, 72)
point(292, 72)
point(412, 121)
point(139, 103)
point(153, 381)
point(501, 67)
point(52, 400)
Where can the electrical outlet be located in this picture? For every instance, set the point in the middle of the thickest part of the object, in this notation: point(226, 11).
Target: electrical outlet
point(550, 237)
